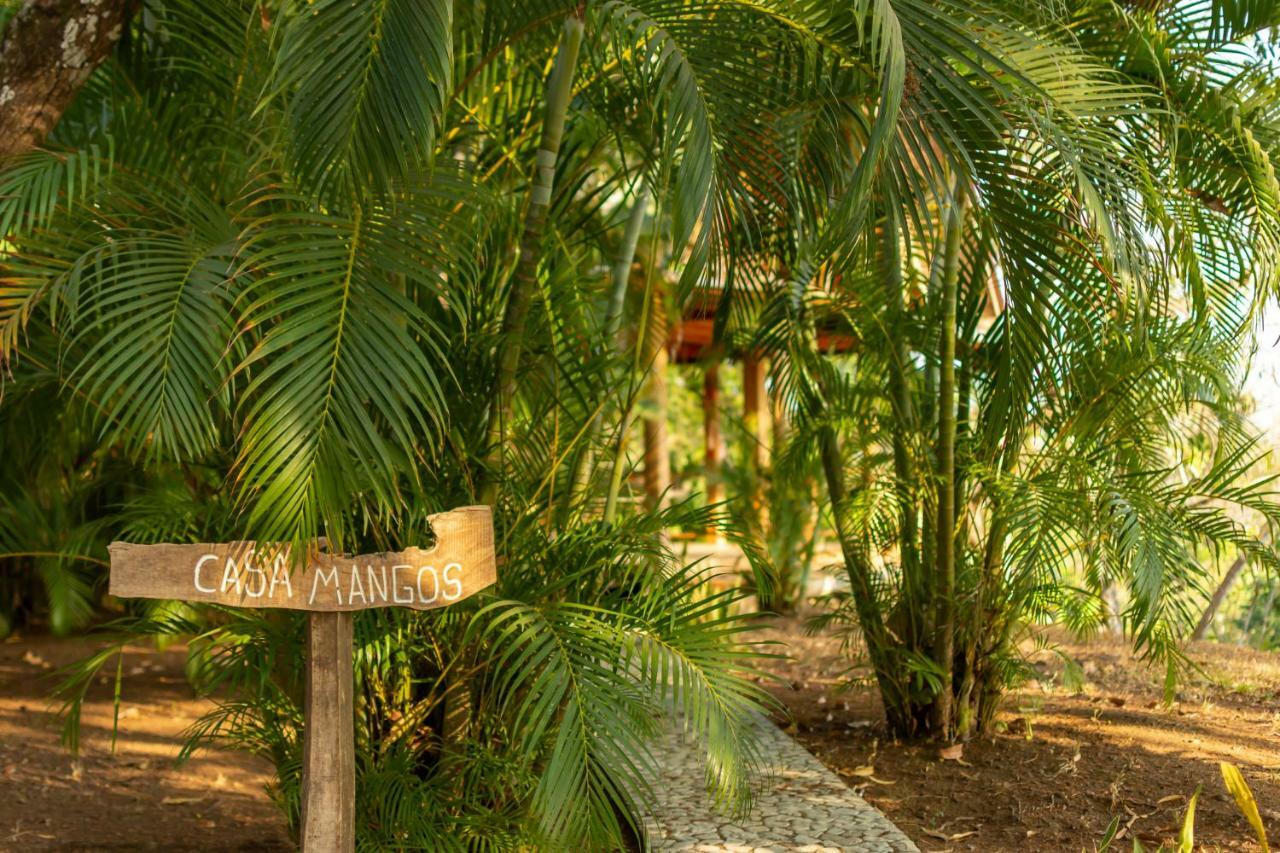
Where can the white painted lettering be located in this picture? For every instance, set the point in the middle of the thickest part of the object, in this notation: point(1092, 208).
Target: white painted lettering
point(251, 569)
point(329, 577)
point(378, 585)
point(195, 578)
point(356, 587)
point(453, 582)
point(435, 585)
point(280, 575)
point(231, 575)
point(397, 588)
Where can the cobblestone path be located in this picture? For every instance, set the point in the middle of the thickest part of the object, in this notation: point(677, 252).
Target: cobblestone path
point(803, 806)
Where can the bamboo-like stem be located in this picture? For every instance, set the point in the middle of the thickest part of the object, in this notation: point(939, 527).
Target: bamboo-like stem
point(618, 470)
point(623, 262)
point(612, 323)
point(964, 416)
point(858, 569)
point(945, 523)
point(964, 715)
point(928, 515)
point(524, 279)
point(903, 424)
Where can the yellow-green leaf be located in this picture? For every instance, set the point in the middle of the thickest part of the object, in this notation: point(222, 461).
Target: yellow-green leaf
point(1244, 801)
point(1187, 835)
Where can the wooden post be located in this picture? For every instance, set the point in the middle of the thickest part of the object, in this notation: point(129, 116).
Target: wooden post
point(711, 438)
point(755, 417)
point(755, 414)
point(329, 751)
point(248, 574)
point(657, 462)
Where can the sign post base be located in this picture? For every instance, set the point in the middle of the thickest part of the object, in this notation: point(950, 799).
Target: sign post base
point(328, 752)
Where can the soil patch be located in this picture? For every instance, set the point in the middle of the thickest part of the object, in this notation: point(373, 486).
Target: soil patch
point(1064, 766)
point(136, 798)
point(1067, 762)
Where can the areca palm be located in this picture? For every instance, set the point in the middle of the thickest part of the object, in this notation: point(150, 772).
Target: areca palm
point(325, 268)
point(267, 256)
point(1048, 296)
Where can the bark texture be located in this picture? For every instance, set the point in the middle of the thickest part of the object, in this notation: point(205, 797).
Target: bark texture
point(47, 52)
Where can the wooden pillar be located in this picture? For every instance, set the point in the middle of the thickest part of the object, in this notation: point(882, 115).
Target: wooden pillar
point(755, 417)
point(712, 441)
point(755, 412)
point(657, 461)
point(780, 419)
point(329, 752)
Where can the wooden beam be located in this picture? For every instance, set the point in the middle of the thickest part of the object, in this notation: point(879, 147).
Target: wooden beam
point(329, 752)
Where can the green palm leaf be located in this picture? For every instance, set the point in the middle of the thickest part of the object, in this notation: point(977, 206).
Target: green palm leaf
point(365, 84)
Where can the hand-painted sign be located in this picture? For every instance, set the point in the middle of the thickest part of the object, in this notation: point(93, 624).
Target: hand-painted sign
point(247, 574)
point(244, 574)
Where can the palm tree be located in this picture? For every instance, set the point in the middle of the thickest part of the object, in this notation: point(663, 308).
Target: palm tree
point(297, 269)
point(1050, 291)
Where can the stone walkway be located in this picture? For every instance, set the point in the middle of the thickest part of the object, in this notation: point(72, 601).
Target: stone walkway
point(802, 806)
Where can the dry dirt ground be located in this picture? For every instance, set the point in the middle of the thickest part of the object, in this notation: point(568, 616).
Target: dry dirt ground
point(136, 798)
point(1066, 763)
point(1051, 782)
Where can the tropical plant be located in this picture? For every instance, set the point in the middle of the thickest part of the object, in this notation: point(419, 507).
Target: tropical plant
point(292, 269)
point(1059, 216)
point(298, 269)
point(1239, 790)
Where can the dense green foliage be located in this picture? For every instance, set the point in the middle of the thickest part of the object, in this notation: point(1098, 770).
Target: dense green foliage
point(291, 269)
point(1051, 282)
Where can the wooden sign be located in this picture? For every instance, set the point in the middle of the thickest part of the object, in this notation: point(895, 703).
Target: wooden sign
point(244, 574)
point(248, 574)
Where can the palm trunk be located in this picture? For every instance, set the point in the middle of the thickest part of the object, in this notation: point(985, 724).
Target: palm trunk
point(857, 565)
point(903, 425)
point(524, 280)
point(612, 323)
point(944, 639)
point(928, 515)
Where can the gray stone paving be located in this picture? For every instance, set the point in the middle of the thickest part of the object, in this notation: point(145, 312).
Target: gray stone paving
point(803, 806)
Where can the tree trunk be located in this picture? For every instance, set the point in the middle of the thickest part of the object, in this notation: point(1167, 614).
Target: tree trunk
point(48, 50)
point(1219, 595)
point(525, 279)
